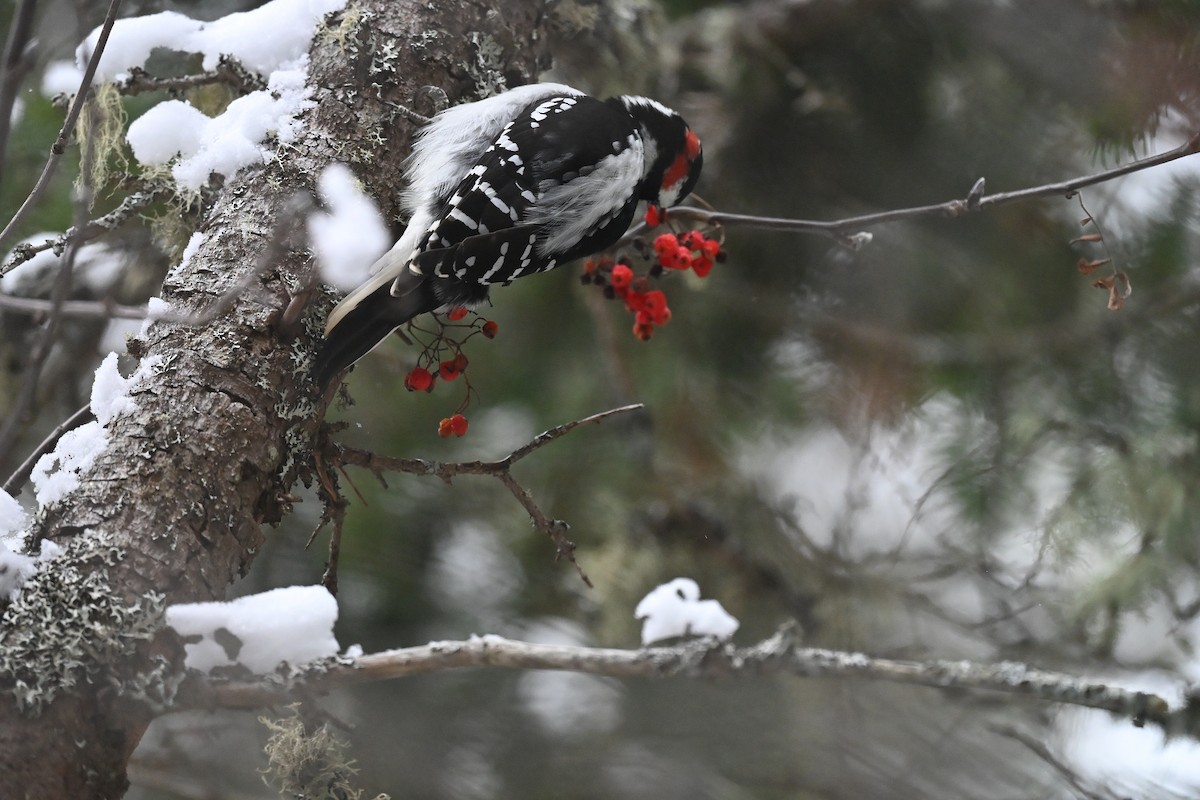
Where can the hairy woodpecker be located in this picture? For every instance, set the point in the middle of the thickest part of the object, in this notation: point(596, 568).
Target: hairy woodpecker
point(510, 186)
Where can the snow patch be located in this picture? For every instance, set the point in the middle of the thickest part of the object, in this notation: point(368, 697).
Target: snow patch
point(16, 569)
point(351, 235)
point(260, 631)
point(110, 391)
point(12, 516)
point(156, 309)
point(228, 142)
point(262, 39)
point(57, 473)
point(675, 609)
point(171, 128)
point(271, 40)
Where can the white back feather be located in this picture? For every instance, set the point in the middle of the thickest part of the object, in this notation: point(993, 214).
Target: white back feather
point(445, 150)
point(455, 139)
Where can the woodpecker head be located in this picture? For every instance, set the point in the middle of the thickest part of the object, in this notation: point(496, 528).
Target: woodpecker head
point(673, 153)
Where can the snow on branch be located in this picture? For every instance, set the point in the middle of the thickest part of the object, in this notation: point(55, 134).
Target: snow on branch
point(707, 659)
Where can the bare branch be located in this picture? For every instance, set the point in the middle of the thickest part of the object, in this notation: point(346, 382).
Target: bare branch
point(708, 659)
point(131, 205)
point(1040, 750)
point(21, 474)
point(18, 57)
point(554, 528)
point(60, 144)
point(546, 437)
point(79, 309)
point(974, 201)
point(27, 393)
point(229, 71)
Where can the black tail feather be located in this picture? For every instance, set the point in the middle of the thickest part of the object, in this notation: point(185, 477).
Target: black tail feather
point(365, 326)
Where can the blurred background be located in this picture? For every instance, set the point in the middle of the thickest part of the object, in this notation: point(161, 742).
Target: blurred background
point(943, 444)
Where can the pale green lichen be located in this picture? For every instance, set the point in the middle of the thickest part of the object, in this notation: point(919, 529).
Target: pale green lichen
point(101, 133)
point(70, 621)
point(487, 70)
point(309, 765)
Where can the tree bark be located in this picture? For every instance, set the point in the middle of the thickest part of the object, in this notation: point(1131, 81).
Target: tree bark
point(173, 509)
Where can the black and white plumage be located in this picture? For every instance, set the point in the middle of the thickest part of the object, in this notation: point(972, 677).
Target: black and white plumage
point(507, 187)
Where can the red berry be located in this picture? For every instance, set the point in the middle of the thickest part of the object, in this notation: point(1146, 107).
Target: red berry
point(654, 216)
point(665, 243)
point(621, 277)
point(643, 332)
point(456, 313)
point(710, 248)
point(683, 257)
point(635, 301)
point(702, 265)
point(490, 329)
point(460, 362)
point(692, 240)
point(452, 426)
point(654, 301)
point(448, 370)
point(418, 379)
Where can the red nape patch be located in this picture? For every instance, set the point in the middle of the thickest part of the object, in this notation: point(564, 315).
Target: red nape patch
point(693, 145)
point(676, 172)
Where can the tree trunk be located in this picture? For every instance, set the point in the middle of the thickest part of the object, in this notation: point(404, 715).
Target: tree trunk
point(173, 509)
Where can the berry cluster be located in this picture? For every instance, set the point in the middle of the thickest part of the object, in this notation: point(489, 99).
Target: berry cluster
point(691, 250)
point(442, 358)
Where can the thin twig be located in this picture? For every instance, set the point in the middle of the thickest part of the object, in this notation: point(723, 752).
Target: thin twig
point(974, 201)
point(1040, 750)
point(229, 71)
point(16, 481)
point(31, 376)
point(60, 144)
point(75, 309)
point(18, 58)
point(335, 512)
point(554, 528)
point(129, 207)
point(549, 436)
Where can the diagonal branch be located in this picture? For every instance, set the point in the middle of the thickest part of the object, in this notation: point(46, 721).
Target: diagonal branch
point(129, 207)
point(60, 144)
point(19, 56)
point(554, 528)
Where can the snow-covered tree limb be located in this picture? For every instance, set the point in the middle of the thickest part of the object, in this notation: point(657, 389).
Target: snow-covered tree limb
point(709, 659)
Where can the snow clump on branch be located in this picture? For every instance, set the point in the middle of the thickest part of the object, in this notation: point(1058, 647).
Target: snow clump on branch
point(675, 609)
point(271, 40)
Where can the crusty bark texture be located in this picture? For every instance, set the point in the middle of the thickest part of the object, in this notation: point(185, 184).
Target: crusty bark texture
point(174, 509)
